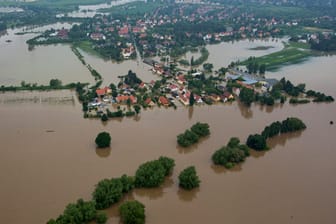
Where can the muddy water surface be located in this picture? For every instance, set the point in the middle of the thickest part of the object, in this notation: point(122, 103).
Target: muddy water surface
point(48, 158)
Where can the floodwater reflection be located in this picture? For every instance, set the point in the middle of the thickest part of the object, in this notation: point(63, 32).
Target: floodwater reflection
point(221, 169)
point(154, 193)
point(187, 196)
point(103, 153)
point(192, 148)
point(245, 111)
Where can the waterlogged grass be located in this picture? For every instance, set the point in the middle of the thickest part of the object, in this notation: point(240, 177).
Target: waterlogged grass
point(260, 48)
point(134, 8)
point(316, 29)
point(289, 12)
point(87, 47)
point(293, 53)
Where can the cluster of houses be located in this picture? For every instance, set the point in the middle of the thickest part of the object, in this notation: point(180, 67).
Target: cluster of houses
point(176, 90)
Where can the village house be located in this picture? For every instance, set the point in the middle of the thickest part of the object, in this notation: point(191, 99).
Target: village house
point(163, 101)
point(63, 33)
point(149, 102)
point(124, 98)
point(103, 91)
point(97, 36)
point(181, 80)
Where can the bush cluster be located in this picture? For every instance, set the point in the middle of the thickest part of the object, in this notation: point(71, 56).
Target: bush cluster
point(152, 173)
point(192, 136)
point(231, 154)
point(132, 212)
point(258, 142)
point(188, 178)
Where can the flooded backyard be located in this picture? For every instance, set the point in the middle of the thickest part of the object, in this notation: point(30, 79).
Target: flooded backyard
point(49, 159)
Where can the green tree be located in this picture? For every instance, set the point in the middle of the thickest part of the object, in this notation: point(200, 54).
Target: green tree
point(168, 164)
point(246, 96)
point(233, 142)
point(208, 67)
point(187, 138)
point(262, 69)
point(191, 99)
point(188, 178)
point(150, 174)
point(104, 117)
point(103, 140)
point(222, 71)
point(55, 83)
point(231, 154)
point(201, 129)
point(107, 192)
point(77, 213)
point(137, 108)
point(257, 142)
point(272, 130)
point(101, 218)
point(132, 212)
point(292, 124)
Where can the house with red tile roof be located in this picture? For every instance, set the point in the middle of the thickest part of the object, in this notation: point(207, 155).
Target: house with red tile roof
point(124, 98)
point(163, 101)
point(181, 80)
point(149, 102)
point(103, 91)
point(142, 85)
point(184, 100)
point(123, 31)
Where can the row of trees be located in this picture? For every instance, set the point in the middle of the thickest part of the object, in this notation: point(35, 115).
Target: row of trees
point(254, 67)
point(193, 135)
point(110, 191)
point(319, 97)
point(258, 141)
point(234, 152)
point(79, 213)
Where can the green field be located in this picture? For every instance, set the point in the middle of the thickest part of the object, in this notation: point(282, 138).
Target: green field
point(293, 53)
point(134, 8)
point(87, 47)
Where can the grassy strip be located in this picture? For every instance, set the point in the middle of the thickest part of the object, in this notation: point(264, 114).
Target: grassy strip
point(260, 48)
point(38, 87)
point(87, 47)
point(134, 8)
point(293, 53)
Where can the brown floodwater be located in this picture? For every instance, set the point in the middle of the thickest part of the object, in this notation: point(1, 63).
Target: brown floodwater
point(49, 159)
point(18, 63)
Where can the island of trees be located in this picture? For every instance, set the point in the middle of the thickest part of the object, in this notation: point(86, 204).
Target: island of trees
point(192, 136)
point(188, 178)
point(234, 152)
point(110, 191)
point(103, 140)
point(258, 141)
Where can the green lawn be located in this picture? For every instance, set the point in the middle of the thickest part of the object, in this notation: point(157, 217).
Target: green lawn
point(292, 53)
point(87, 47)
point(134, 8)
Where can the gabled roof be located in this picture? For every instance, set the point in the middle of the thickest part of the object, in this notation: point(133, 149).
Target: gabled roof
point(163, 100)
point(100, 92)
